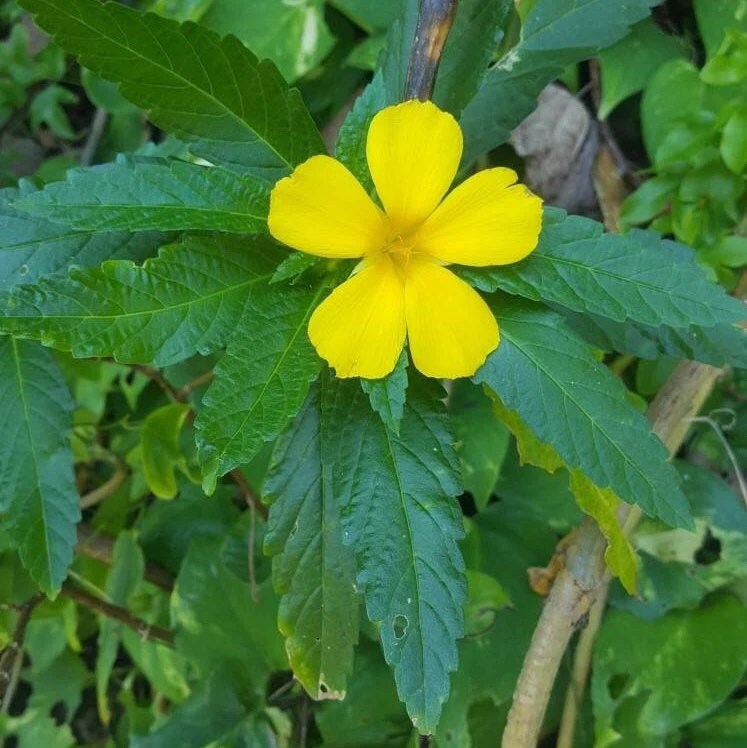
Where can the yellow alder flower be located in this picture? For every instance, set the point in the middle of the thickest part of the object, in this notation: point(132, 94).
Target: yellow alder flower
point(401, 288)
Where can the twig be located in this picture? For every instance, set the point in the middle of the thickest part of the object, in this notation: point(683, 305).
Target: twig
point(11, 660)
point(98, 125)
point(158, 378)
point(146, 630)
point(434, 24)
point(250, 497)
point(183, 394)
point(105, 489)
point(101, 547)
point(583, 579)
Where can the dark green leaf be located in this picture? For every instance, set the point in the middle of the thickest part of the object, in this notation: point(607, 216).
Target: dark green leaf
point(38, 496)
point(573, 402)
point(194, 84)
point(634, 276)
point(555, 35)
point(388, 395)
point(188, 299)
point(32, 248)
point(397, 495)
point(261, 382)
point(718, 345)
point(312, 569)
point(144, 195)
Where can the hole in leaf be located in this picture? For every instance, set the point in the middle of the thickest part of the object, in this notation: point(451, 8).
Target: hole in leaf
point(709, 551)
point(400, 624)
point(616, 684)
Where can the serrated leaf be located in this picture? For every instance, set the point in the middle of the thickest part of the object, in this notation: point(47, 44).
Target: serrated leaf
point(312, 570)
point(555, 35)
point(602, 506)
point(209, 90)
point(261, 381)
point(633, 276)
point(38, 496)
point(397, 497)
point(32, 248)
point(141, 195)
point(187, 300)
point(388, 395)
point(573, 402)
point(718, 345)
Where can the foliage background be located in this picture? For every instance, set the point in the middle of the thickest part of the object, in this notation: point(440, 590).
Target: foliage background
point(193, 655)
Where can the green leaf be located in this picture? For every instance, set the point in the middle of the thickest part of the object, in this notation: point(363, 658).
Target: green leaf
point(32, 248)
point(312, 570)
point(397, 497)
point(209, 598)
point(161, 452)
point(209, 90)
point(371, 17)
point(46, 109)
point(139, 195)
point(469, 49)
point(627, 66)
point(573, 402)
point(734, 141)
point(293, 35)
point(602, 505)
point(126, 573)
point(718, 345)
point(632, 276)
point(38, 496)
point(555, 35)
point(714, 17)
point(388, 395)
point(212, 711)
point(482, 439)
point(672, 670)
point(261, 381)
point(187, 300)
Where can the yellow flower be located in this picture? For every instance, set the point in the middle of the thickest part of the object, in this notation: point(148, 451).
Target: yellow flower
point(401, 288)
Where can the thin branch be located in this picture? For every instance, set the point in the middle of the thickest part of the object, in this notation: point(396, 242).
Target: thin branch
point(98, 125)
point(183, 394)
point(250, 497)
point(158, 378)
point(583, 579)
point(146, 630)
point(106, 489)
point(11, 660)
point(100, 546)
point(434, 24)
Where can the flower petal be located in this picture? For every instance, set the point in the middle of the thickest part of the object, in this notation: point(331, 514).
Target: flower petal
point(450, 328)
point(323, 210)
point(413, 151)
point(359, 329)
point(484, 221)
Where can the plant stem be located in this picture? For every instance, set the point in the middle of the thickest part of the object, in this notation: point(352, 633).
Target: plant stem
point(11, 660)
point(434, 24)
point(584, 576)
point(146, 630)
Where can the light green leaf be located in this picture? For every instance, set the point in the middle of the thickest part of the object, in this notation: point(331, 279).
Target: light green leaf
point(32, 248)
point(38, 496)
point(46, 109)
point(482, 439)
point(388, 395)
point(633, 276)
point(312, 570)
point(370, 16)
point(602, 505)
point(734, 141)
point(714, 17)
point(261, 381)
point(675, 669)
point(126, 573)
point(187, 300)
point(235, 109)
point(627, 66)
point(161, 453)
point(555, 35)
point(141, 195)
point(293, 35)
point(486, 597)
point(397, 497)
point(573, 402)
